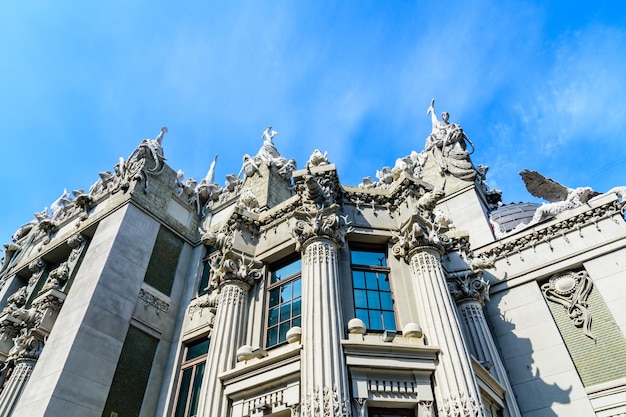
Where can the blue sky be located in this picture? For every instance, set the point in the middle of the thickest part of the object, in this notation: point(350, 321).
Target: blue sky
point(538, 85)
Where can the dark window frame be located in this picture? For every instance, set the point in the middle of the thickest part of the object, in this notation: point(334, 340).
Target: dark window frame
point(193, 364)
point(385, 412)
point(272, 286)
point(204, 285)
point(376, 269)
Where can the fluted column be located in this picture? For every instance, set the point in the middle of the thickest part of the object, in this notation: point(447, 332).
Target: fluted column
point(456, 390)
point(233, 279)
point(14, 386)
point(470, 293)
point(324, 375)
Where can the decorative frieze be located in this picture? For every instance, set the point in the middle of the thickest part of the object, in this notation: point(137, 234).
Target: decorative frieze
point(571, 290)
point(325, 402)
point(152, 300)
point(460, 405)
point(559, 229)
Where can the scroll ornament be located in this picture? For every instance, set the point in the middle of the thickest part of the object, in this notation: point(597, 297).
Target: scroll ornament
point(571, 290)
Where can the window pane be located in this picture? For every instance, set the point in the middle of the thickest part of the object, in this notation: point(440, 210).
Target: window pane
point(272, 319)
point(198, 348)
point(297, 288)
point(373, 300)
point(296, 307)
point(376, 320)
point(358, 279)
point(286, 271)
point(390, 320)
point(360, 299)
point(272, 336)
point(183, 393)
point(296, 322)
point(204, 281)
point(195, 390)
point(371, 280)
point(274, 297)
point(285, 312)
point(386, 301)
point(362, 314)
point(383, 282)
point(282, 333)
point(285, 293)
point(369, 258)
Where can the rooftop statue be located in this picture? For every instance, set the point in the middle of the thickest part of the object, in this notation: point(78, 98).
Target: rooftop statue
point(447, 144)
point(269, 155)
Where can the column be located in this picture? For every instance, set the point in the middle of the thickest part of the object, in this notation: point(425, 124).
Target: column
point(456, 390)
point(13, 388)
point(470, 292)
point(233, 280)
point(324, 376)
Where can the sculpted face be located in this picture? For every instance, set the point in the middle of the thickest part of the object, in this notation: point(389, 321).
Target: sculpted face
point(445, 116)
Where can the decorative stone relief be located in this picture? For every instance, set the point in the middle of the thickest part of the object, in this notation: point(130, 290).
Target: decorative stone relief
point(411, 165)
point(37, 268)
point(248, 201)
point(459, 405)
point(546, 234)
point(154, 301)
point(269, 155)
point(426, 227)
point(323, 224)
point(325, 402)
point(317, 159)
point(468, 286)
point(571, 290)
point(426, 407)
point(147, 159)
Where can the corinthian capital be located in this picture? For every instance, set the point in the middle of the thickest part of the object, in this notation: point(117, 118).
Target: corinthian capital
point(427, 226)
point(228, 268)
point(468, 286)
point(324, 223)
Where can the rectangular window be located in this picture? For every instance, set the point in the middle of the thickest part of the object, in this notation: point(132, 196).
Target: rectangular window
point(131, 374)
point(389, 412)
point(203, 286)
point(373, 301)
point(284, 308)
point(190, 378)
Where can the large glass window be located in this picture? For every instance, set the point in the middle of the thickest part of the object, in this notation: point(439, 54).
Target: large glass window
point(284, 302)
point(373, 299)
point(190, 378)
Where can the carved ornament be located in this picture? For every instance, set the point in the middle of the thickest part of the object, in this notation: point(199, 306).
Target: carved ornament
point(324, 223)
point(152, 300)
point(325, 402)
point(571, 290)
point(459, 405)
point(560, 229)
point(426, 227)
point(468, 286)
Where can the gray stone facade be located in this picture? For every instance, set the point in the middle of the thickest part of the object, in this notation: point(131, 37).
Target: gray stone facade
point(154, 296)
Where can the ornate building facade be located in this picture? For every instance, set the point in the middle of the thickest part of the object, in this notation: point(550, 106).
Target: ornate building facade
point(287, 293)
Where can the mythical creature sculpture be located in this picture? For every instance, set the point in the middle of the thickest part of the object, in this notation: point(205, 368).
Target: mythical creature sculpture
point(317, 158)
point(561, 198)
